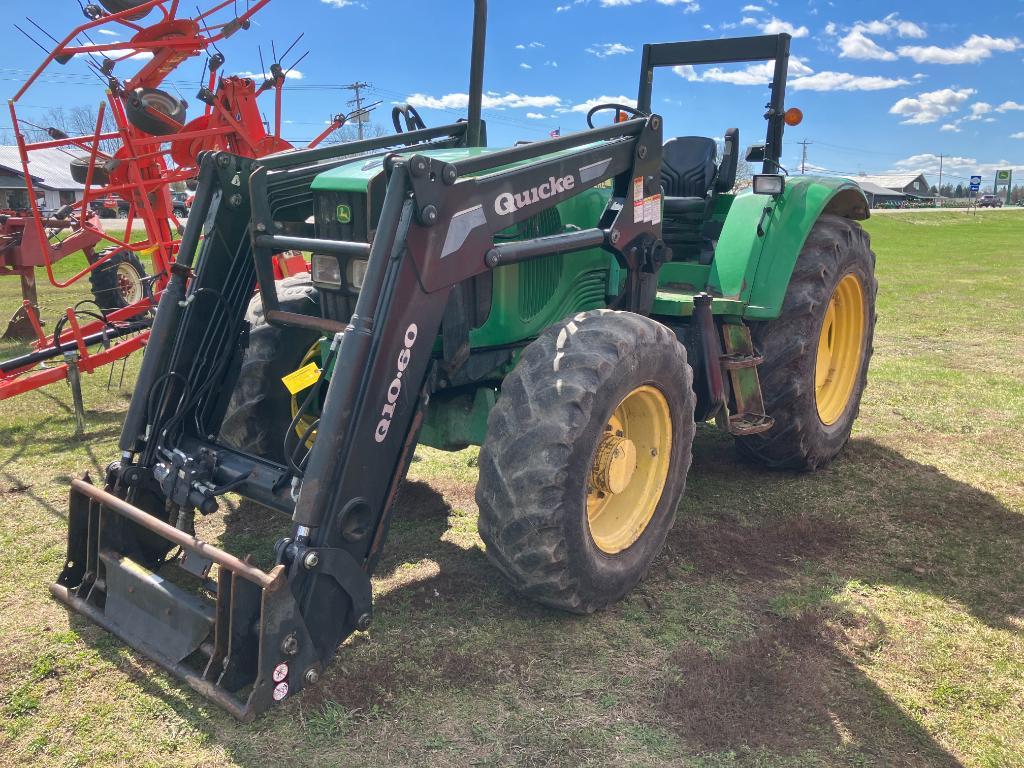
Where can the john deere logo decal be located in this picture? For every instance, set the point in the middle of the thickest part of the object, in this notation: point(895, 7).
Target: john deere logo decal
point(344, 214)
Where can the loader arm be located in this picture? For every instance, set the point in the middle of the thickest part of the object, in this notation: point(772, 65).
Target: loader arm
point(266, 635)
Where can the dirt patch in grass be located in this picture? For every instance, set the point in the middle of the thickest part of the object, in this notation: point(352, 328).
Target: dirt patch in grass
point(768, 551)
point(765, 691)
point(792, 684)
point(419, 501)
point(378, 684)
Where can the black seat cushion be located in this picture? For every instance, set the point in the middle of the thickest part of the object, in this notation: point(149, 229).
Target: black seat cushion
point(688, 166)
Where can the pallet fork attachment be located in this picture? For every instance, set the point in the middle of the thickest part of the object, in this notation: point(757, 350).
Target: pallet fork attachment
point(244, 650)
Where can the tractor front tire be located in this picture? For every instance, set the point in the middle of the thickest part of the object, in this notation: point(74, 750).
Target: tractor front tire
point(585, 459)
point(260, 410)
point(816, 353)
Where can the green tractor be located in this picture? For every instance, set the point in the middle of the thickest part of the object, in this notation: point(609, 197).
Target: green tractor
point(574, 306)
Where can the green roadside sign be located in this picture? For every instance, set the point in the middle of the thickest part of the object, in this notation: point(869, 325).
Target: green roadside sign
point(1004, 178)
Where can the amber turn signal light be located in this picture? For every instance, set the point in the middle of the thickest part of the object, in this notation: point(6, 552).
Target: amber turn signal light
point(794, 116)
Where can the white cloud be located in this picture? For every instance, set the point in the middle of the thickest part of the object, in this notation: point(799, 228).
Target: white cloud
point(520, 47)
point(118, 53)
point(536, 116)
point(830, 28)
point(752, 74)
point(589, 104)
point(293, 74)
point(604, 50)
point(751, 9)
point(107, 32)
point(857, 45)
point(342, 3)
point(778, 26)
point(951, 128)
point(978, 110)
point(974, 49)
point(1010, 106)
point(965, 166)
point(524, 65)
point(490, 101)
point(844, 81)
point(1019, 135)
point(690, 6)
point(932, 106)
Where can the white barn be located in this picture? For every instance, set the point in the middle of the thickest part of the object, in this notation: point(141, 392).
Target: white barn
point(51, 179)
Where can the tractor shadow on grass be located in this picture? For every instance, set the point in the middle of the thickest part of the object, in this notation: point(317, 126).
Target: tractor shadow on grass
point(782, 679)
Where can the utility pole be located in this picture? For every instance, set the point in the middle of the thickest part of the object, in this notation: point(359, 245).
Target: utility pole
point(358, 102)
point(803, 162)
point(940, 179)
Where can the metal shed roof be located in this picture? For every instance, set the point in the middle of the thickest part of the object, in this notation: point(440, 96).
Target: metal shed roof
point(878, 191)
point(50, 168)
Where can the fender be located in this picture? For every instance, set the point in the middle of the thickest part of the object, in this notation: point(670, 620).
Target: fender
point(756, 270)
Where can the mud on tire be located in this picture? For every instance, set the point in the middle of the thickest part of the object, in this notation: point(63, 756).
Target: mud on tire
point(542, 436)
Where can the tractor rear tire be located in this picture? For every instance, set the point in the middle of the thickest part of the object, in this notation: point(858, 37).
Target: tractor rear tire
point(119, 281)
point(812, 386)
point(546, 456)
point(260, 410)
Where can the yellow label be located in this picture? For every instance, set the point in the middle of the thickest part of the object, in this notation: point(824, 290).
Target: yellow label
point(306, 376)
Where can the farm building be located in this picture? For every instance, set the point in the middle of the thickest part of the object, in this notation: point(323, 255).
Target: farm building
point(895, 186)
point(877, 195)
point(51, 179)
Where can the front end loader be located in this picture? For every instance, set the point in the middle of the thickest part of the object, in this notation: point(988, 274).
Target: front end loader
point(573, 305)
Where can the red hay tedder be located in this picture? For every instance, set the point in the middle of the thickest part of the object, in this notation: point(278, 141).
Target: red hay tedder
point(144, 141)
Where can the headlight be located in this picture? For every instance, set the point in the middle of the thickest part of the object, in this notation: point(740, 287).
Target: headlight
point(356, 272)
point(769, 184)
point(326, 271)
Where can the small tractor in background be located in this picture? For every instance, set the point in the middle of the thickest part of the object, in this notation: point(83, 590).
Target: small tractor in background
point(142, 144)
point(574, 306)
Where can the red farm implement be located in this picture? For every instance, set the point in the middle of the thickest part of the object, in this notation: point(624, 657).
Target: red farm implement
point(143, 143)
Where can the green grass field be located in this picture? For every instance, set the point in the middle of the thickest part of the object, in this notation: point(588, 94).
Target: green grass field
point(871, 614)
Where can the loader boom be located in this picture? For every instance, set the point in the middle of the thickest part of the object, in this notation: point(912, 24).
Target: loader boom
point(436, 231)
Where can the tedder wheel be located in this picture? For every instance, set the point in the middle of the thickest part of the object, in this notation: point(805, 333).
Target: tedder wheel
point(817, 351)
point(141, 100)
point(585, 459)
point(80, 171)
point(116, 6)
point(119, 281)
point(260, 410)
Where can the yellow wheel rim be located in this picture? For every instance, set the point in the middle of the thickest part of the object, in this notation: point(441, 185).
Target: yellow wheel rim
point(840, 348)
point(303, 423)
point(629, 471)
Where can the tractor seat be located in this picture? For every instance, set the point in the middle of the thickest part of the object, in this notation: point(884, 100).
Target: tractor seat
point(688, 166)
point(690, 177)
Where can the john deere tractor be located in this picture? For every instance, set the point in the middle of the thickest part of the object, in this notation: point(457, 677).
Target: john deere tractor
point(574, 306)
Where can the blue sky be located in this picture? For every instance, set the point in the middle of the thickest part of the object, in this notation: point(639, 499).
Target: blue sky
point(884, 86)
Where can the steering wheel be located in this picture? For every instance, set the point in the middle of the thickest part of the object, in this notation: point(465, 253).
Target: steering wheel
point(413, 121)
point(632, 111)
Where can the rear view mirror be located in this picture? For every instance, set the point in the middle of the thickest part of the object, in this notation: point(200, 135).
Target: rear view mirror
point(755, 153)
